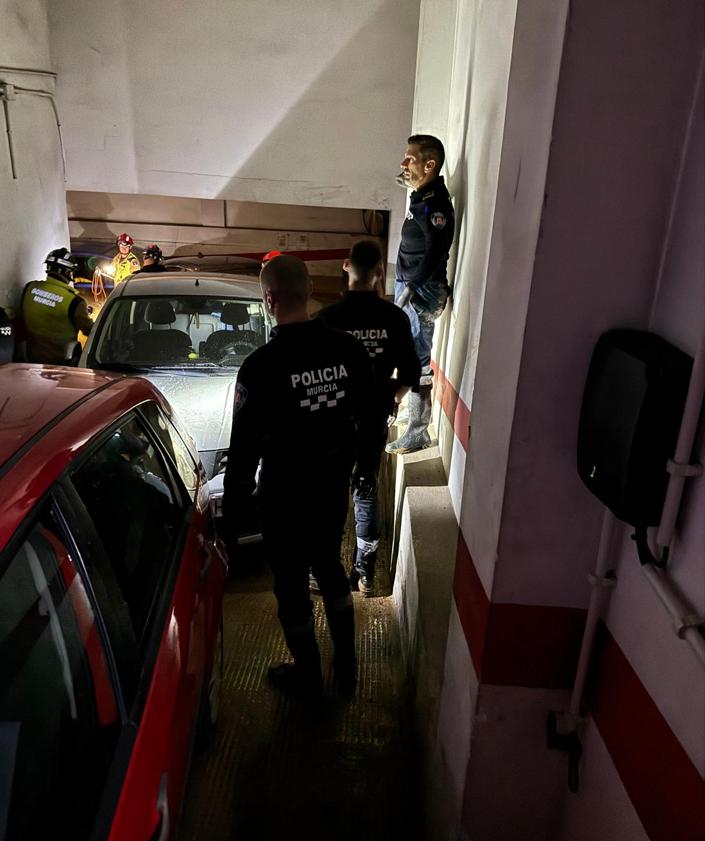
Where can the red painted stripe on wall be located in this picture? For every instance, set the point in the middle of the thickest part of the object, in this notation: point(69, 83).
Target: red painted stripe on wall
point(515, 644)
point(538, 646)
point(664, 786)
point(453, 406)
point(471, 602)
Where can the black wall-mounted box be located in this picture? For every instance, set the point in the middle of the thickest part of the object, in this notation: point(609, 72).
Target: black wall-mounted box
point(631, 414)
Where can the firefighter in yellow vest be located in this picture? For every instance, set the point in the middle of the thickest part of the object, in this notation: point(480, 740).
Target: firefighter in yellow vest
point(124, 263)
point(53, 313)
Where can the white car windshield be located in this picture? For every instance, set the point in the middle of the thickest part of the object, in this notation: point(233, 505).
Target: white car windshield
point(178, 332)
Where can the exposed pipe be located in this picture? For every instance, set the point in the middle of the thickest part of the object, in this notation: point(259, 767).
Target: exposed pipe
point(602, 580)
point(52, 99)
point(8, 129)
point(5, 88)
point(686, 623)
point(26, 70)
point(679, 466)
point(666, 245)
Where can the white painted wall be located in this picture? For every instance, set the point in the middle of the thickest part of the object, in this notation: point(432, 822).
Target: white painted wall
point(501, 69)
point(32, 209)
point(509, 149)
point(517, 340)
point(667, 667)
point(252, 100)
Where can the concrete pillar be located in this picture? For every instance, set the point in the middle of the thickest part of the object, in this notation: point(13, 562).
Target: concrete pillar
point(32, 199)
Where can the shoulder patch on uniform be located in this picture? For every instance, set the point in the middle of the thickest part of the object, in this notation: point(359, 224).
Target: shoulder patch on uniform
point(240, 396)
point(438, 220)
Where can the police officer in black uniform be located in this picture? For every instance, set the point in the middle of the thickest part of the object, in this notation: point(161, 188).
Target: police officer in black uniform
point(302, 407)
point(421, 284)
point(385, 331)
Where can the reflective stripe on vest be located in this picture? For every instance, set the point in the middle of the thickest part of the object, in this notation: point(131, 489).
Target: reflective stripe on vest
point(124, 266)
point(45, 310)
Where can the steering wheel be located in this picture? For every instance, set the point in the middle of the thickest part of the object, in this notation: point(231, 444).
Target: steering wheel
point(240, 349)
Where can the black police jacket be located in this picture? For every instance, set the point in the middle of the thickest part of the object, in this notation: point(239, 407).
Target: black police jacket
point(385, 332)
point(426, 236)
point(302, 406)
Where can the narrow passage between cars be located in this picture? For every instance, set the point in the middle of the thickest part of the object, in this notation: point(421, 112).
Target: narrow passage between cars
point(283, 768)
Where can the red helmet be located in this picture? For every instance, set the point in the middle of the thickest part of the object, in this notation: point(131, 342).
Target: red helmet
point(154, 252)
point(125, 239)
point(270, 255)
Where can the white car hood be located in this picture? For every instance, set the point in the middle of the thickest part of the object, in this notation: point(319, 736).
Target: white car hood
point(203, 401)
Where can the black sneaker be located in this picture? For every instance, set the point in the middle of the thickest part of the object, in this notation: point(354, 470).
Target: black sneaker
point(289, 679)
point(313, 585)
point(365, 585)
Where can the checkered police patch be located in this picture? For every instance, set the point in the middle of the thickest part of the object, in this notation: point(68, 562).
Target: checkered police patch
point(240, 396)
point(322, 401)
point(438, 220)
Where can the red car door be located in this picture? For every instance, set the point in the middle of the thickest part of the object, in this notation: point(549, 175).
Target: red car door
point(161, 567)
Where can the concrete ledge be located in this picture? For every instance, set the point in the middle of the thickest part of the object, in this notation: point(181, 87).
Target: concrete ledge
point(422, 598)
point(422, 469)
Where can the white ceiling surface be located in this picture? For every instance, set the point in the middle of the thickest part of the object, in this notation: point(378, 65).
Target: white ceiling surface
point(306, 102)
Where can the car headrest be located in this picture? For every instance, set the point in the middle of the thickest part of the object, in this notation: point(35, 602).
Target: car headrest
point(160, 312)
point(235, 314)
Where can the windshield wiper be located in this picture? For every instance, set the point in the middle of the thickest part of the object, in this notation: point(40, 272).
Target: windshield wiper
point(183, 366)
point(120, 367)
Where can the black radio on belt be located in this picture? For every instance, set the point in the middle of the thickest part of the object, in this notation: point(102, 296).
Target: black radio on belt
point(631, 414)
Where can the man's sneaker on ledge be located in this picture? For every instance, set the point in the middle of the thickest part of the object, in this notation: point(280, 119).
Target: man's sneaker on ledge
point(362, 583)
point(409, 443)
point(365, 585)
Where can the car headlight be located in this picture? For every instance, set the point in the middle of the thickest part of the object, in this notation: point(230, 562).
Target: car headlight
point(216, 505)
point(220, 462)
point(215, 492)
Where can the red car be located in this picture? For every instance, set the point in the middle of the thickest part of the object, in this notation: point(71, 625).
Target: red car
point(111, 592)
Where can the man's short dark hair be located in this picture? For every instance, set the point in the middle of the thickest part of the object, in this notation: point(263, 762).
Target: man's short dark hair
point(364, 258)
point(430, 147)
point(288, 279)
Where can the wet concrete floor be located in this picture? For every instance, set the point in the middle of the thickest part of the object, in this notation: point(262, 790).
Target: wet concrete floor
point(281, 768)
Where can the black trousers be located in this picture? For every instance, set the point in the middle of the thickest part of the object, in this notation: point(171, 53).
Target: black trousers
point(302, 527)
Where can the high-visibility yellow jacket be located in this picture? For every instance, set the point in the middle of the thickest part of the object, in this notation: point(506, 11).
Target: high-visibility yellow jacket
point(52, 313)
point(124, 266)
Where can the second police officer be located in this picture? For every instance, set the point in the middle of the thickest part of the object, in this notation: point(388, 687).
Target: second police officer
point(385, 332)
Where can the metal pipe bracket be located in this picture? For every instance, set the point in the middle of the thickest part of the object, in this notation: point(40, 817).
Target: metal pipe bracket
point(685, 623)
point(677, 468)
point(608, 581)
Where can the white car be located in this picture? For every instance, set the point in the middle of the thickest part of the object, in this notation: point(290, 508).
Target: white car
point(187, 332)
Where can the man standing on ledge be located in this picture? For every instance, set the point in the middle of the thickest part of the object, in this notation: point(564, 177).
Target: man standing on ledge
point(421, 284)
point(302, 406)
